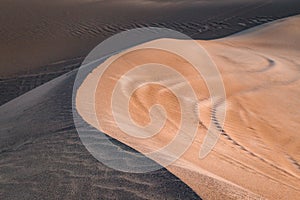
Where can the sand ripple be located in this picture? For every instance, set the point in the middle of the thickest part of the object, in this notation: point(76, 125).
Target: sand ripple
point(259, 145)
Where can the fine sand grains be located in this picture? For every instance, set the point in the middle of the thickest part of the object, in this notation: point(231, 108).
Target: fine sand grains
point(257, 155)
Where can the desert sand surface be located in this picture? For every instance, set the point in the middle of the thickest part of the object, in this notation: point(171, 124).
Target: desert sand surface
point(42, 157)
point(257, 155)
point(42, 40)
point(35, 33)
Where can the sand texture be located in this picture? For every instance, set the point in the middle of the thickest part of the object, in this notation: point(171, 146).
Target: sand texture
point(43, 40)
point(257, 155)
point(43, 43)
point(36, 33)
point(51, 162)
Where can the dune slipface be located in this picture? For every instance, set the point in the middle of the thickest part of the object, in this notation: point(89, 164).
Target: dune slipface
point(257, 155)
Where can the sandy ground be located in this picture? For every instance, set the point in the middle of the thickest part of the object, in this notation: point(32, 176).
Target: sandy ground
point(257, 155)
point(42, 157)
point(35, 33)
point(43, 40)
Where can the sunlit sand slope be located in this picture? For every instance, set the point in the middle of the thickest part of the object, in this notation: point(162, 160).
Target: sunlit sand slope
point(258, 153)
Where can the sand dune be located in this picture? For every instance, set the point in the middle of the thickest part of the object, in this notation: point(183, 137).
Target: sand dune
point(257, 155)
point(42, 157)
point(35, 33)
point(40, 38)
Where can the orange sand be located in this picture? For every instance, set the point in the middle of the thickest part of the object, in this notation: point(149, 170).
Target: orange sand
point(258, 154)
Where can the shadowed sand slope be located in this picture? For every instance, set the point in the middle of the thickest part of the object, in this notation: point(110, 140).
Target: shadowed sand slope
point(41, 156)
point(42, 40)
point(257, 155)
point(35, 33)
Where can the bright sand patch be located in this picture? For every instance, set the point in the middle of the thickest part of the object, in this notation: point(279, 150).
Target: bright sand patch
point(258, 153)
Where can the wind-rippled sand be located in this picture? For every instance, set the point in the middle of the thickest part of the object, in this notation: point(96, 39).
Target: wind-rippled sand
point(257, 155)
point(42, 157)
point(35, 33)
point(43, 40)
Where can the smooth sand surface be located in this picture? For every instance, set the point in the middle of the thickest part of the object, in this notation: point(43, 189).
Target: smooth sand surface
point(257, 155)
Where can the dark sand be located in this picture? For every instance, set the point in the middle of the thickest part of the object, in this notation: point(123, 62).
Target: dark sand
point(39, 39)
point(36, 33)
point(42, 157)
point(41, 154)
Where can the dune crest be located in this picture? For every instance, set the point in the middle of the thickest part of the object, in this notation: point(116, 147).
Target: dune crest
point(257, 155)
